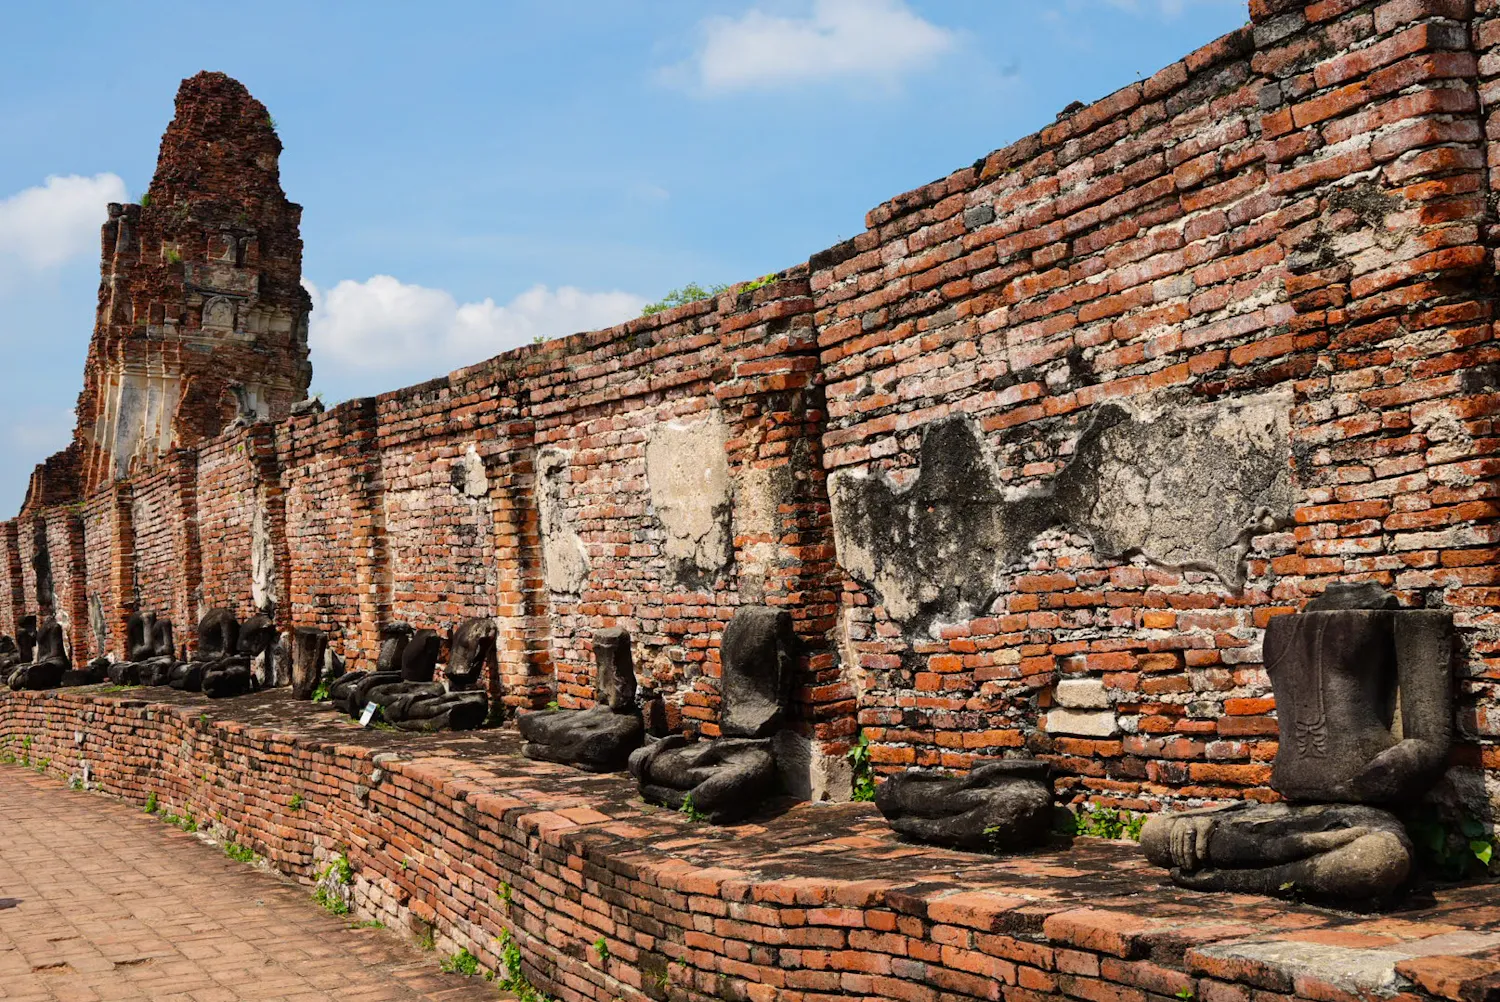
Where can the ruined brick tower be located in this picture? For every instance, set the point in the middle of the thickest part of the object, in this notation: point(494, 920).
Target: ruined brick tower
point(201, 317)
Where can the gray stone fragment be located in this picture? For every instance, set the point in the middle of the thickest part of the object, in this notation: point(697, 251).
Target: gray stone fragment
point(1082, 723)
point(758, 655)
point(1082, 694)
point(998, 807)
point(1351, 855)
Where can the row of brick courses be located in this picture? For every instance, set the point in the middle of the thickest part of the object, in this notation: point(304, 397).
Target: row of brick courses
point(1161, 238)
point(1298, 207)
point(227, 494)
point(468, 850)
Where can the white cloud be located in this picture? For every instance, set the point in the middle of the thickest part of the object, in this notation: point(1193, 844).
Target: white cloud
point(879, 39)
point(384, 323)
point(45, 226)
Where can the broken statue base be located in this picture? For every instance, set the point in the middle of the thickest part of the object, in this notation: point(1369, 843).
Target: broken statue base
point(1345, 854)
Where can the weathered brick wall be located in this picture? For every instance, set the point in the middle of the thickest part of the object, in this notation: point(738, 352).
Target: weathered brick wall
point(12, 591)
point(1032, 460)
point(166, 564)
point(330, 473)
point(1291, 210)
point(100, 527)
point(227, 493)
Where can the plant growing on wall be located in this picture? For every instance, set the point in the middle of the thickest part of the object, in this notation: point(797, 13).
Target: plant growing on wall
point(690, 293)
point(864, 778)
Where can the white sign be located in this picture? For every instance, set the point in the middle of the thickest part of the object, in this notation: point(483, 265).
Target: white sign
point(369, 714)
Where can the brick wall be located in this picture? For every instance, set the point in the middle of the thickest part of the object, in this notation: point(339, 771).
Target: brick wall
point(1171, 365)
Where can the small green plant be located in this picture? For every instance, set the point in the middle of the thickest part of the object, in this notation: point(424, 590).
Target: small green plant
point(503, 892)
point(174, 256)
point(428, 942)
point(146, 199)
point(296, 802)
point(76, 783)
point(601, 947)
point(663, 978)
point(690, 293)
point(239, 853)
point(1099, 821)
point(187, 822)
point(26, 750)
point(41, 765)
point(337, 874)
point(690, 811)
point(1451, 849)
point(369, 924)
point(1186, 994)
point(864, 779)
point(151, 807)
point(539, 339)
point(759, 283)
point(553, 705)
point(512, 977)
point(463, 962)
point(271, 121)
point(320, 694)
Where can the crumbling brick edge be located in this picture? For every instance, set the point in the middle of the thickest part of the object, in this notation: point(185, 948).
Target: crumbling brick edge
point(434, 852)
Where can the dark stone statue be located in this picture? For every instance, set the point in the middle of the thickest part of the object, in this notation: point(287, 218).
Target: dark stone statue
point(728, 777)
point(52, 660)
point(1337, 669)
point(1364, 697)
point(402, 683)
point(1339, 853)
point(309, 650)
point(1002, 806)
point(349, 693)
point(151, 656)
point(10, 655)
point(601, 738)
point(220, 668)
point(260, 642)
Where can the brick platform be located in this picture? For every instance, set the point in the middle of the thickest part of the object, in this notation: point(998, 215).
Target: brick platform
point(152, 913)
point(803, 903)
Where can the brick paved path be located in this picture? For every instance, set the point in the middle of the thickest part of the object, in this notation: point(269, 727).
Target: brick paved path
point(112, 904)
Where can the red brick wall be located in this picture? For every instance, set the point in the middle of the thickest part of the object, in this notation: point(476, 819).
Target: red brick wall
point(330, 473)
point(12, 591)
point(226, 493)
point(100, 526)
point(1295, 213)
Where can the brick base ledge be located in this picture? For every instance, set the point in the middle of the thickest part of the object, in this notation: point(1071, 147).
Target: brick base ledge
point(817, 903)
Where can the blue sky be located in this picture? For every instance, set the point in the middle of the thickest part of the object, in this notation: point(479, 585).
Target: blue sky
point(474, 175)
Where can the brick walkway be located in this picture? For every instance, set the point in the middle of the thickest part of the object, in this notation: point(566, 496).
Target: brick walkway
point(100, 902)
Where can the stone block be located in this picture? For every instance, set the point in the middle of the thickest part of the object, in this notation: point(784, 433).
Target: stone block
point(1082, 723)
point(1081, 694)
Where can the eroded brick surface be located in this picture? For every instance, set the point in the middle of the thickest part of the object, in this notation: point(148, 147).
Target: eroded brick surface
point(799, 903)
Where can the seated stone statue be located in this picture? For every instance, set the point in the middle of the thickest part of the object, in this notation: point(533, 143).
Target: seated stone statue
point(309, 653)
point(349, 692)
point(151, 655)
point(223, 669)
point(10, 655)
point(1000, 806)
point(52, 660)
point(259, 642)
point(414, 702)
point(1339, 853)
point(1340, 669)
point(600, 738)
point(728, 777)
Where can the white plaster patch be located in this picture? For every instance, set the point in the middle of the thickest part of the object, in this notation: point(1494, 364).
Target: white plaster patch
point(563, 552)
point(688, 473)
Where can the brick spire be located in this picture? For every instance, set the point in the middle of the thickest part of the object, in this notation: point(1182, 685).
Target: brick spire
point(202, 317)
